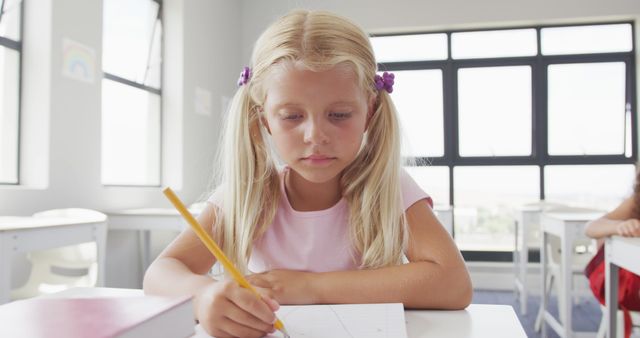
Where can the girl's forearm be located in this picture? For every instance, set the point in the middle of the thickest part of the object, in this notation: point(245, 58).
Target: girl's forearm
point(416, 285)
point(170, 277)
point(602, 227)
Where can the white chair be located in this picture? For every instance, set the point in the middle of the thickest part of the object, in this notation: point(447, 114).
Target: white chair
point(61, 268)
point(584, 249)
point(635, 322)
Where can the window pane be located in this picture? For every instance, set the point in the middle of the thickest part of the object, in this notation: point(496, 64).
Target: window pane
point(494, 109)
point(586, 108)
point(486, 202)
point(127, 37)
point(10, 22)
point(492, 44)
point(434, 181)
point(9, 83)
point(595, 186)
point(410, 47)
point(586, 39)
point(130, 135)
point(418, 98)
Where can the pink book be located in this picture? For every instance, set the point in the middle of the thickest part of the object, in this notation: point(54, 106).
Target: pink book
point(122, 317)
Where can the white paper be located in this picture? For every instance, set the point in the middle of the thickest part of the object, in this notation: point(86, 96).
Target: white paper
point(340, 321)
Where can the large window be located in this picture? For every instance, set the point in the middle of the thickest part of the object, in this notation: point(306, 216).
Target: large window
point(131, 92)
point(10, 50)
point(498, 118)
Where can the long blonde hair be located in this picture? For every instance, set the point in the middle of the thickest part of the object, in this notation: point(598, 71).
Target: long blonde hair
point(248, 176)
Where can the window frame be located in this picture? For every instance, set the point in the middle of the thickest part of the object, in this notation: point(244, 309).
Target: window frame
point(539, 112)
point(16, 46)
point(149, 89)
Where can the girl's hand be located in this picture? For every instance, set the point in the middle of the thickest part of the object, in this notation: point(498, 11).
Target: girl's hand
point(629, 228)
point(286, 286)
point(225, 309)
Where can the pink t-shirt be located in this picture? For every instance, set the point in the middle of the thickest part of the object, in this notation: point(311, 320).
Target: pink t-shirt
point(316, 241)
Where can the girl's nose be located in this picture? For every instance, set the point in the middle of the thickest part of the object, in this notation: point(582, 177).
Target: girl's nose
point(315, 134)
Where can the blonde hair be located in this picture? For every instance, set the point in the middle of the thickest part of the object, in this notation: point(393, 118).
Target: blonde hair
point(248, 173)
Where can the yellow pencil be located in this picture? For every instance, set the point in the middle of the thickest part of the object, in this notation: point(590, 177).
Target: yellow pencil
point(215, 250)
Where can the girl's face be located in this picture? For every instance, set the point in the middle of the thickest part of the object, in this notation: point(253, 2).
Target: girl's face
point(316, 119)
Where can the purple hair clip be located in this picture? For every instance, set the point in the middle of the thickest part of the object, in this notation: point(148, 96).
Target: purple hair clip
point(384, 82)
point(245, 76)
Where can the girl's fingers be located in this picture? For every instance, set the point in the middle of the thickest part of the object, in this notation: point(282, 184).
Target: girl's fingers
point(259, 282)
point(271, 302)
point(247, 301)
point(248, 320)
point(235, 329)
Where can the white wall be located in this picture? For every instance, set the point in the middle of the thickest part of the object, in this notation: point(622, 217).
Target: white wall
point(61, 116)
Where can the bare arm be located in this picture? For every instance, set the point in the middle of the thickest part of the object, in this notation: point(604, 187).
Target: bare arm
point(436, 276)
point(181, 268)
point(223, 308)
point(617, 222)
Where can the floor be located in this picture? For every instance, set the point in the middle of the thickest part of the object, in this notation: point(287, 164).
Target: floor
point(586, 312)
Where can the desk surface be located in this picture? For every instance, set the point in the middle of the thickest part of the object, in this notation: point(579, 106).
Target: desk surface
point(574, 215)
point(150, 212)
point(623, 252)
point(476, 321)
point(8, 223)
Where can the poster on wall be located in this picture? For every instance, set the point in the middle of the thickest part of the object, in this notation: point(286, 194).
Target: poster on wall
point(78, 61)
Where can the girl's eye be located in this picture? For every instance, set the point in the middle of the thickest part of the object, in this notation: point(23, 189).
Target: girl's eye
point(291, 116)
point(339, 115)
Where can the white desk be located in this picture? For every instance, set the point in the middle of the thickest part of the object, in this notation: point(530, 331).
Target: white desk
point(620, 252)
point(568, 226)
point(144, 221)
point(528, 216)
point(24, 234)
point(528, 220)
point(476, 321)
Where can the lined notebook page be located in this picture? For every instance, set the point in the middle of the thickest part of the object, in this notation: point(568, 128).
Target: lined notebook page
point(341, 321)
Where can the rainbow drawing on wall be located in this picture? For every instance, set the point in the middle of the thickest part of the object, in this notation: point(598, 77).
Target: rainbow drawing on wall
point(78, 61)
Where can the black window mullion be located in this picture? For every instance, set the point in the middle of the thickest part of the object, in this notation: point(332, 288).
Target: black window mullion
point(1, 9)
point(450, 134)
point(15, 45)
point(631, 101)
point(131, 83)
point(541, 130)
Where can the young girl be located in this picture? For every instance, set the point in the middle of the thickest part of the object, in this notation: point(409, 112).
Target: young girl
point(333, 224)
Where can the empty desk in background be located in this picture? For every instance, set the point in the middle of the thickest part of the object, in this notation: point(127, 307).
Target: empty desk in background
point(144, 221)
point(528, 220)
point(476, 321)
point(25, 234)
point(527, 217)
point(620, 252)
point(568, 226)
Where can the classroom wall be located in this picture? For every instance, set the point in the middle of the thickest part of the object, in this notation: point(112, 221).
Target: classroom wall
point(61, 116)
